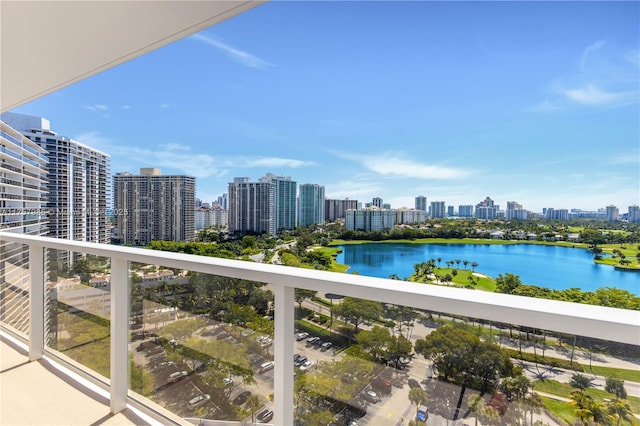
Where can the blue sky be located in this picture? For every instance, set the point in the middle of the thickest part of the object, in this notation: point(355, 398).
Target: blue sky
point(534, 102)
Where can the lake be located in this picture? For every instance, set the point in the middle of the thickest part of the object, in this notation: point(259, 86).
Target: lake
point(545, 266)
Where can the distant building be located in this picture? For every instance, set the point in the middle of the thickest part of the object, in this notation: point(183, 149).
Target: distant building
point(151, 206)
point(251, 207)
point(465, 210)
point(634, 214)
point(437, 209)
point(450, 212)
point(421, 203)
point(335, 209)
point(284, 200)
point(311, 204)
point(371, 219)
point(613, 214)
point(486, 209)
point(515, 211)
point(587, 214)
point(405, 216)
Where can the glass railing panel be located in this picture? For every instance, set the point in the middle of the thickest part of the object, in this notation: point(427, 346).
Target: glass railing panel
point(201, 345)
point(14, 286)
point(78, 308)
point(368, 363)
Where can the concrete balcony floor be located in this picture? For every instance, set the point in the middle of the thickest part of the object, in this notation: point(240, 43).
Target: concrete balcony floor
point(38, 393)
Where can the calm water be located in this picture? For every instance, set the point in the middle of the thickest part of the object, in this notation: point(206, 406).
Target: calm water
point(546, 266)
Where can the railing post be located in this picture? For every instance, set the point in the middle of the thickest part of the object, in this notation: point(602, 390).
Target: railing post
point(284, 311)
point(36, 302)
point(119, 334)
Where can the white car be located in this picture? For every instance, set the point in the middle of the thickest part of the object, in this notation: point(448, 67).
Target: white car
point(228, 381)
point(199, 400)
point(307, 365)
point(266, 366)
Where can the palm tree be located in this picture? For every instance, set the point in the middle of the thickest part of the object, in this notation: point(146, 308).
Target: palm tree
point(458, 263)
point(418, 397)
point(620, 409)
point(485, 412)
point(474, 265)
point(440, 260)
point(465, 263)
point(254, 404)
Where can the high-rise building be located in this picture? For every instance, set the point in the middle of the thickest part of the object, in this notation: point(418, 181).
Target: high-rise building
point(371, 219)
point(151, 206)
point(421, 203)
point(634, 214)
point(613, 214)
point(450, 212)
point(486, 209)
point(405, 216)
point(515, 211)
point(23, 191)
point(437, 209)
point(311, 204)
point(335, 209)
point(78, 182)
point(377, 202)
point(465, 210)
point(251, 207)
point(284, 201)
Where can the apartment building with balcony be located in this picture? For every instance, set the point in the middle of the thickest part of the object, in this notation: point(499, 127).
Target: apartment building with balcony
point(23, 196)
point(151, 206)
point(369, 219)
point(78, 181)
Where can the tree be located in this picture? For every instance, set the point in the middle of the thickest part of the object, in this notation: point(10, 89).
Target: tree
point(484, 412)
point(616, 387)
point(474, 265)
point(254, 404)
point(580, 381)
point(300, 295)
point(507, 283)
point(515, 387)
point(620, 410)
point(356, 311)
point(418, 397)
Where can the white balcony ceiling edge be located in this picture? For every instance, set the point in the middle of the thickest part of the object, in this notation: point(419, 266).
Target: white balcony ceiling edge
point(600, 322)
point(47, 45)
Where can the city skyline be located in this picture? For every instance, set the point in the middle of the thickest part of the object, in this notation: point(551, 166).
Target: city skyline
point(529, 102)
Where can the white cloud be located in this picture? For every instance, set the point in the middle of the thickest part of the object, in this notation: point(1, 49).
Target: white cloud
point(125, 107)
point(391, 164)
point(587, 52)
point(592, 95)
point(175, 147)
point(274, 162)
point(96, 107)
point(240, 56)
point(545, 106)
point(164, 106)
point(627, 158)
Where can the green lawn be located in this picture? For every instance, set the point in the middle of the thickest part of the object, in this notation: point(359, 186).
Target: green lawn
point(564, 390)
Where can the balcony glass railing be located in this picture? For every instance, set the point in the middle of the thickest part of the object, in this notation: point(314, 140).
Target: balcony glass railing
point(203, 339)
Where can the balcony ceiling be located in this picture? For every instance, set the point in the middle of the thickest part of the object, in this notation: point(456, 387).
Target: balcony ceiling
point(47, 45)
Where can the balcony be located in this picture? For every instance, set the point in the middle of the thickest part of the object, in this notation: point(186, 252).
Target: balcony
point(263, 364)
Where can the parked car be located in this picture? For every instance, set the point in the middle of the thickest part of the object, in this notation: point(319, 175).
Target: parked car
point(307, 365)
point(312, 340)
point(371, 396)
point(325, 346)
point(422, 414)
point(302, 336)
point(265, 415)
point(301, 360)
point(266, 366)
point(199, 400)
point(228, 381)
point(177, 376)
point(413, 383)
point(242, 397)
